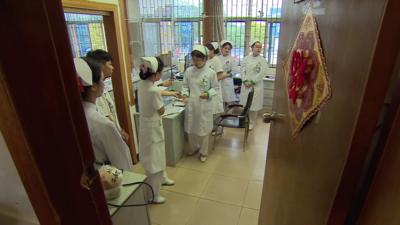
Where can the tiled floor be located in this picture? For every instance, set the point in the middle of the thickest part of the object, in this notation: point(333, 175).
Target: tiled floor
point(224, 190)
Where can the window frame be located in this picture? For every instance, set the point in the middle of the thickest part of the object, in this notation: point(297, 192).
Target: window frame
point(268, 53)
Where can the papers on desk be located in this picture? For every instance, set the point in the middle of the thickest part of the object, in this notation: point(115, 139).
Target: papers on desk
point(179, 104)
point(170, 110)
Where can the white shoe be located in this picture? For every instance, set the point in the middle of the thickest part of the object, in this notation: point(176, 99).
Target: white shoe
point(159, 200)
point(203, 158)
point(168, 182)
point(251, 127)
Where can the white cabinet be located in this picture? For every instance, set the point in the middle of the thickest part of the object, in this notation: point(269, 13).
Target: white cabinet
point(173, 123)
point(269, 85)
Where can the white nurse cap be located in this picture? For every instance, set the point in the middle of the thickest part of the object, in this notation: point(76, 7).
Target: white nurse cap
point(84, 71)
point(253, 42)
point(215, 45)
point(225, 41)
point(150, 62)
point(201, 49)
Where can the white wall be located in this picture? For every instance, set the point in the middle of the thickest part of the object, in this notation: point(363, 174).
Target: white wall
point(115, 2)
point(15, 207)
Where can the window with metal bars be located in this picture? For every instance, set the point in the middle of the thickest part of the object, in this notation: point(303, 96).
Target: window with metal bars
point(176, 25)
point(171, 25)
point(86, 33)
point(250, 20)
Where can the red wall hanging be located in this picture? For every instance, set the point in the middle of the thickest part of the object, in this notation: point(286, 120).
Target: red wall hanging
point(308, 85)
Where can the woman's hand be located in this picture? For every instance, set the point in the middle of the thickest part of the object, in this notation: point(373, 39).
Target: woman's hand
point(167, 83)
point(248, 84)
point(170, 93)
point(220, 76)
point(224, 75)
point(185, 99)
point(125, 136)
point(204, 96)
point(176, 94)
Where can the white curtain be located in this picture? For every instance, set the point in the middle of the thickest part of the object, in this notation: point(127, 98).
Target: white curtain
point(218, 21)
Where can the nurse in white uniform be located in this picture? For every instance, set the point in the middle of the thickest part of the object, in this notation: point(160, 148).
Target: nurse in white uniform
point(253, 71)
point(108, 146)
point(231, 67)
point(215, 64)
point(105, 103)
point(151, 132)
point(199, 87)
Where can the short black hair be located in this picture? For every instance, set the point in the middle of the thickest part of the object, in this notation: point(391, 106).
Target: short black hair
point(95, 67)
point(149, 73)
point(227, 43)
point(99, 55)
point(211, 47)
point(198, 54)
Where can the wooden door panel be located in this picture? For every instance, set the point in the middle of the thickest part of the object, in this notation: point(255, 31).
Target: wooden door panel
point(303, 174)
point(41, 81)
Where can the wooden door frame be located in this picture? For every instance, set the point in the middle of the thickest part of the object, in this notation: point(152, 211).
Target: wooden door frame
point(381, 182)
point(42, 117)
point(380, 73)
point(122, 91)
point(12, 131)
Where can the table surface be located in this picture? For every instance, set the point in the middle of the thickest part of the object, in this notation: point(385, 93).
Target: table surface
point(126, 192)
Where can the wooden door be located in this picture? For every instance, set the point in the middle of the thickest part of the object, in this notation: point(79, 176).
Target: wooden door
point(312, 178)
point(121, 78)
point(383, 201)
point(41, 113)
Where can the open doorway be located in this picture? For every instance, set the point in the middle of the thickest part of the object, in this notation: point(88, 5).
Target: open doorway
point(93, 26)
point(227, 187)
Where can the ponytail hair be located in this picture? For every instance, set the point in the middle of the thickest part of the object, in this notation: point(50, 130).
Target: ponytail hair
point(146, 72)
point(211, 47)
point(95, 67)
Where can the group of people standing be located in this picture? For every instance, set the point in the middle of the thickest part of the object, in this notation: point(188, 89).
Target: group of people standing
point(207, 88)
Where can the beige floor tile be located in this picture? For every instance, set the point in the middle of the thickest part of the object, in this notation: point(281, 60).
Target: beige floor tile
point(253, 195)
point(181, 161)
point(214, 213)
point(226, 190)
point(259, 151)
point(193, 162)
point(236, 168)
point(188, 182)
point(230, 139)
point(248, 217)
point(230, 176)
point(259, 170)
point(171, 171)
point(138, 168)
point(251, 153)
point(227, 152)
point(176, 211)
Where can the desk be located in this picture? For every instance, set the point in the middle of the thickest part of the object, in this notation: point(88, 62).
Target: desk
point(173, 122)
point(130, 195)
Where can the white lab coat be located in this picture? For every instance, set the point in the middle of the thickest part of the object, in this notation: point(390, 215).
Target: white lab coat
point(199, 112)
point(231, 67)
point(254, 70)
point(216, 65)
point(151, 132)
point(106, 107)
point(107, 143)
